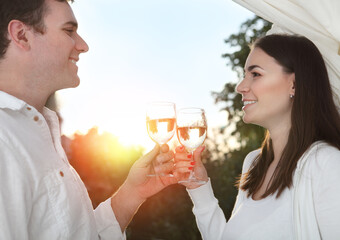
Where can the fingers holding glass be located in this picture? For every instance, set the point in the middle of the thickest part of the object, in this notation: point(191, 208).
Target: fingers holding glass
point(164, 169)
point(185, 163)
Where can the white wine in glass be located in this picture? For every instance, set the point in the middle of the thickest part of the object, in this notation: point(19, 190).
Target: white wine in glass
point(191, 133)
point(161, 124)
point(161, 130)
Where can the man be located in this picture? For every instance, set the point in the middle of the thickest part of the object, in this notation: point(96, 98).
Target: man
point(41, 196)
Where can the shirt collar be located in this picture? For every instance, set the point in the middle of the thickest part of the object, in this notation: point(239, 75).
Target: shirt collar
point(48, 113)
point(11, 102)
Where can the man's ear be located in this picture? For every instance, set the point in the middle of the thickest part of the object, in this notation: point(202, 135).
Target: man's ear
point(18, 33)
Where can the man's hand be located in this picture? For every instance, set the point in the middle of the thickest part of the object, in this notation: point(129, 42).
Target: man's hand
point(144, 185)
point(138, 186)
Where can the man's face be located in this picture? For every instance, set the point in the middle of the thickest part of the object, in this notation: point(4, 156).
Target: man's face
point(56, 52)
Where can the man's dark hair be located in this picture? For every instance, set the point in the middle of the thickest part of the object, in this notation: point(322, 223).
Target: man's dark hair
point(29, 12)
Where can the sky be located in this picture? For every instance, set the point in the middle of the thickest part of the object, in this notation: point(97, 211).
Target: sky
point(148, 50)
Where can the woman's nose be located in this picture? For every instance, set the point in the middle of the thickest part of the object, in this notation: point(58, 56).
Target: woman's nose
point(242, 86)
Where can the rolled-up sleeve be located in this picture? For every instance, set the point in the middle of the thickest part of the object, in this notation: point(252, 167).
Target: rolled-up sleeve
point(107, 224)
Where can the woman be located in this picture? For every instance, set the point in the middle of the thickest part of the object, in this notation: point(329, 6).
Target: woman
point(289, 189)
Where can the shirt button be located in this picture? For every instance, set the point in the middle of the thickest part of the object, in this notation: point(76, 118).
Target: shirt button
point(29, 109)
point(36, 118)
point(61, 173)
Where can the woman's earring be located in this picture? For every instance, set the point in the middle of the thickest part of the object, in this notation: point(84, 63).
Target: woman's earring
point(291, 95)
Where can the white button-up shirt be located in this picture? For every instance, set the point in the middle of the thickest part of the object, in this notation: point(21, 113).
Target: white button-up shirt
point(41, 195)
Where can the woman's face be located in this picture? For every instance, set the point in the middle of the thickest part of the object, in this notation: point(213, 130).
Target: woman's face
point(266, 91)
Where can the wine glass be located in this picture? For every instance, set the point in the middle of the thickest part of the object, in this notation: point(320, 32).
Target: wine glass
point(191, 133)
point(160, 123)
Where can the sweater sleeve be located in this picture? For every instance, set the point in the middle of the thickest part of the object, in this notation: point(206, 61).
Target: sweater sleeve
point(327, 193)
point(209, 216)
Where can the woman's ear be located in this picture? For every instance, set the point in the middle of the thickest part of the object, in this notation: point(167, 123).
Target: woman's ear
point(17, 33)
point(292, 84)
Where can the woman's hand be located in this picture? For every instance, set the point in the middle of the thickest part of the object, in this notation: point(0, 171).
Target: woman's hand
point(185, 162)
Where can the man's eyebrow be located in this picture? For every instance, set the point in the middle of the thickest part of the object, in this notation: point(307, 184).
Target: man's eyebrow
point(72, 23)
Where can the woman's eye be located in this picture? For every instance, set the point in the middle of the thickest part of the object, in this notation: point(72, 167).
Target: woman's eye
point(255, 74)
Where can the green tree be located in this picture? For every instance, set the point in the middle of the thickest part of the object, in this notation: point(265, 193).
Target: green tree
point(101, 161)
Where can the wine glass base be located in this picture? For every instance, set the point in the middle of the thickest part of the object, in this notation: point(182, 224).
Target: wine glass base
point(193, 180)
point(160, 175)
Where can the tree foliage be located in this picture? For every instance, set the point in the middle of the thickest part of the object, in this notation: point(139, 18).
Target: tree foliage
point(246, 134)
point(101, 161)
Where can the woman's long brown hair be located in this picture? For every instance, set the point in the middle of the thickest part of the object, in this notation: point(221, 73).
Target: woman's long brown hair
point(314, 114)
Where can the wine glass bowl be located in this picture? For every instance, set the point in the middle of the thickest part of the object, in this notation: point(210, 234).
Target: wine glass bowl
point(191, 133)
point(161, 130)
point(161, 122)
point(191, 137)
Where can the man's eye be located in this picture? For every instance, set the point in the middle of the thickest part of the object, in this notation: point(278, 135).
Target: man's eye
point(69, 30)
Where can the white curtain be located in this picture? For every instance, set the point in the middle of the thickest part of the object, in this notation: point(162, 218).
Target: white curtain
point(318, 20)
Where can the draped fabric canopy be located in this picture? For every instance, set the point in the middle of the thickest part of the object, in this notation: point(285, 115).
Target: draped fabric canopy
point(318, 20)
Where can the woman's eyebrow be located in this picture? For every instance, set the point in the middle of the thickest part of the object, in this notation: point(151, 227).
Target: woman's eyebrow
point(252, 67)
